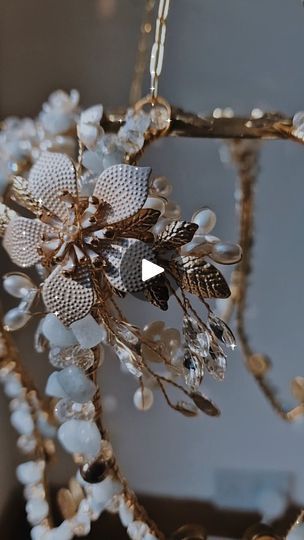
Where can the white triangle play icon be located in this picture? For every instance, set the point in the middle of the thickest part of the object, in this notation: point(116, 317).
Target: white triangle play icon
point(149, 270)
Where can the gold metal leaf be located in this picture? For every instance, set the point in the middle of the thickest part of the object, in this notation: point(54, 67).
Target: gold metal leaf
point(187, 409)
point(297, 388)
point(205, 404)
point(6, 215)
point(20, 193)
point(137, 226)
point(157, 293)
point(199, 277)
point(176, 234)
point(259, 364)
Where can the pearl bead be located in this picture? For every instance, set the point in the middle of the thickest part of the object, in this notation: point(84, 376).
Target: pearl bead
point(143, 399)
point(226, 252)
point(156, 203)
point(29, 472)
point(36, 510)
point(173, 210)
point(17, 285)
point(161, 186)
point(15, 319)
point(198, 246)
point(205, 219)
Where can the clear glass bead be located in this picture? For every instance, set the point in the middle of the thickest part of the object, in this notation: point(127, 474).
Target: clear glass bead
point(66, 409)
point(75, 355)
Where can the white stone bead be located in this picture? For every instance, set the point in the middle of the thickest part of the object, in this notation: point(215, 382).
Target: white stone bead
point(105, 490)
point(205, 219)
point(37, 510)
point(137, 530)
point(57, 333)
point(63, 532)
point(92, 115)
point(17, 285)
point(81, 524)
point(88, 134)
point(156, 203)
point(53, 387)
point(96, 508)
point(80, 437)
point(226, 253)
point(39, 532)
point(76, 384)
point(13, 387)
point(126, 512)
point(150, 536)
point(15, 319)
point(30, 472)
point(88, 332)
point(22, 421)
point(143, 399)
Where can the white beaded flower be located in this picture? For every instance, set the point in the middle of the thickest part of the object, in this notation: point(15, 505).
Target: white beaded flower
point(73, 235)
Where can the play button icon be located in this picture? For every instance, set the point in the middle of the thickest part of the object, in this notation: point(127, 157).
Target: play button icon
point(149, 270)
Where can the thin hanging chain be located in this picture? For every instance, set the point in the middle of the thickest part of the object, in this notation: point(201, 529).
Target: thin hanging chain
point(142, 52)
point(158, 48)
point(245, 156)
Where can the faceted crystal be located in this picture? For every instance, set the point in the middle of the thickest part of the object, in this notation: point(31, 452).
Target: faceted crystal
point(221, 331)
point(216, 362)
point(75, 355)
point(66, 409)
point(194, 370)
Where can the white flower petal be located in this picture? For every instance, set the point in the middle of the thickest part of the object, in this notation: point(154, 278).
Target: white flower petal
point(22, 238)
point(52, 174)
point(124, 188)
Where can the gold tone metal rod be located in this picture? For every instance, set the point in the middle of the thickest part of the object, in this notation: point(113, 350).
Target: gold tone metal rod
point(269, 127)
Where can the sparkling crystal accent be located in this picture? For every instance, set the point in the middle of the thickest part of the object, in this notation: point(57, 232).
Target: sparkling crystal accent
point(75, 355)
point(66, 409)
point(221, 331)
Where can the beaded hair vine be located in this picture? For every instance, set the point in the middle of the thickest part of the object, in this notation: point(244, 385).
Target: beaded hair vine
point(92, 215)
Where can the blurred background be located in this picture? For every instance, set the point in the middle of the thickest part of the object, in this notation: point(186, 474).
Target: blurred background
point(235, 53)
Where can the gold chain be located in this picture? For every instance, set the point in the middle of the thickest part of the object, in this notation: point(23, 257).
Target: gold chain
point(158, 48)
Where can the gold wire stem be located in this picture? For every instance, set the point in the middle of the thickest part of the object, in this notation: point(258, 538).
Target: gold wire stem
point(245, 158)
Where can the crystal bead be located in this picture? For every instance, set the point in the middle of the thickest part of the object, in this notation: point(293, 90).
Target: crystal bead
point(194, 370)
point(65, 409)
point(143, 399)
point(221, 331)
point(40, 342)
point(75, 355)
point(216, 362)
point(205, 219)
point(154, 330)
point(17, 284)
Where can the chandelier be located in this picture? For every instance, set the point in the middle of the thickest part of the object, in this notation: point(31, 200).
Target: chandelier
point(79, 208)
